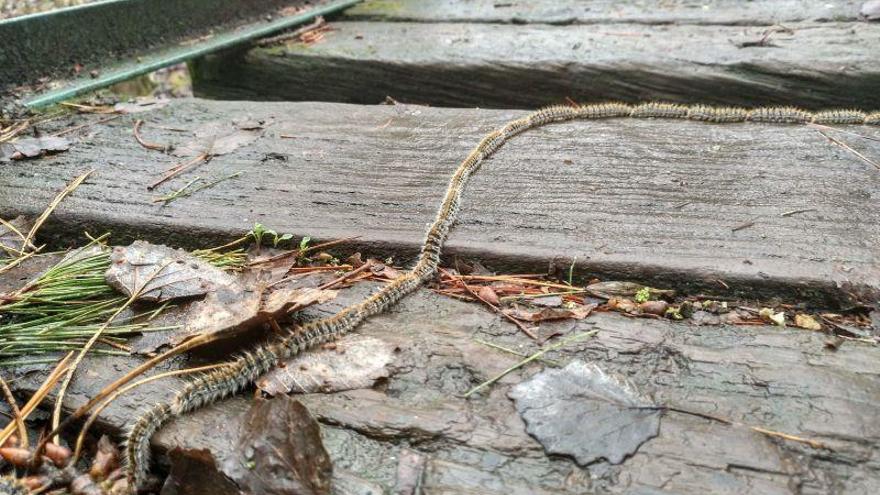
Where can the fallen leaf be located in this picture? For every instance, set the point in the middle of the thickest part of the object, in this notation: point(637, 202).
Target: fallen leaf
point(547, 301)
point(356, 361)
point(487, 294)
point(33, 147)
point(623, 305)
point(215, 139)
point(168, 273)
point(280, 450)
point(230, 311)
point(547, 314)
point(607, 290)
point(769, 316)
point(383, 270)
point(106, 459)
point(195, 472)
point(807, 322)
point(582, 412)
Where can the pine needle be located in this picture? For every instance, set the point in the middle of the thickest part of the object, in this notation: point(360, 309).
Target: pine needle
point(533, 357)
point(54, 204)
point(56, 415)
point(92, 417)
point(38, 396)
point(16, 414)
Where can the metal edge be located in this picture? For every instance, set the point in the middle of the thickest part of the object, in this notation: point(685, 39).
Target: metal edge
point(78, 88)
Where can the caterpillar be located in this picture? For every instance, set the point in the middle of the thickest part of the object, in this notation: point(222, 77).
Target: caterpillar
point(244, 370)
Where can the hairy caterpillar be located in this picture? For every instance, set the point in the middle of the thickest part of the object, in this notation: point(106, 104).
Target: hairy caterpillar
point(245, 369)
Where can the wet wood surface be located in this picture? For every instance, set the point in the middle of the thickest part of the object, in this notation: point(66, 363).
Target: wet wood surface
point(415, 427)
point(714, 208)
point(462, 64)
point(710, 12)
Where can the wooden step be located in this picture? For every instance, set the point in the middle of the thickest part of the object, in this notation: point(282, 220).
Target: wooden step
point(778, 379)
point(716, 12)
point(808, 64)
point(701, 207)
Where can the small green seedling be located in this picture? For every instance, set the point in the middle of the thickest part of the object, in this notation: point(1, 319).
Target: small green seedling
point(643, 295)
point(260, 230)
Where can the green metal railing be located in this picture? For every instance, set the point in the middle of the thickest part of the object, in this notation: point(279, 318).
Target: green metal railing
point(114, 40)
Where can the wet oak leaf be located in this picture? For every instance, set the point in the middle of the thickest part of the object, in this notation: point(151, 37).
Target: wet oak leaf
point(167, 272)
point(582, 412)
point(280, 451)
point(33, 147)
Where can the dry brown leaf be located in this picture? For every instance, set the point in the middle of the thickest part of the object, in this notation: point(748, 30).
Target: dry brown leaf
point(487, 294)
point(807, 322)
point(547, 314)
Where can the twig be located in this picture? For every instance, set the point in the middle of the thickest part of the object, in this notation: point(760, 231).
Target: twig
point(184, 193)
point(131, 375)
point(16, 414)
point(516, 353)
point(346, 276)
point(742, 226)
point(179, 169)
point(12, 264)
point(795, 212)
point(848, 148)
point(531, 358)
point(15, 231)
point(820, 126)
point(137, 137)
point(174, 194)
point(319, 22)
point(14, 132)
point(39, 395)
point(542, 294)
point(513, 320)
point(82, 434)
point(55, 202)
point(770, 433)
point(299, 252)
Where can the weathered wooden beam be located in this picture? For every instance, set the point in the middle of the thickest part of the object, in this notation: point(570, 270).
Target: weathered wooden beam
point(720, 12)
point(698, 206)
point(778, 379)
point(507, 66)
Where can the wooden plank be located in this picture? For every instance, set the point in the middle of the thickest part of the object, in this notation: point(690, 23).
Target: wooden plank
point(662, 202)
point(505, 66)
point(779, 379)
point(729, 12)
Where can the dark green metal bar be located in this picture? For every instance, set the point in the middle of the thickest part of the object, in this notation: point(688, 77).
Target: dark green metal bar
point(126, 38)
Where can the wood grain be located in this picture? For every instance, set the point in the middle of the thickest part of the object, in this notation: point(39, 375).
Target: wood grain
point(722, 12)
point(653, 201)
point(507, 66)
point(780, 379)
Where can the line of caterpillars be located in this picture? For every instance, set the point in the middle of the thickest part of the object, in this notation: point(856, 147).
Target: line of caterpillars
point(245, 369)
